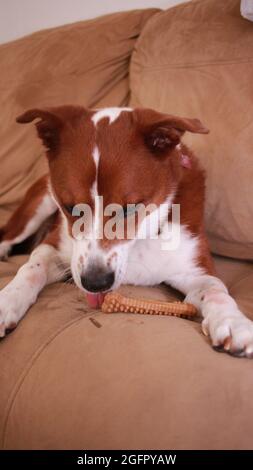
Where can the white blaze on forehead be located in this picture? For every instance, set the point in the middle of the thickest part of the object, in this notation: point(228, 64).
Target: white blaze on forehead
point(94, 193)
point(96, 155)
point(111, 113)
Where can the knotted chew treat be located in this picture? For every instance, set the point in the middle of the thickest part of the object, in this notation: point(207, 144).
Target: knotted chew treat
point(115, 302)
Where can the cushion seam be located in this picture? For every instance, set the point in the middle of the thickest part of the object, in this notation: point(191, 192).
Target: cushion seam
point(194, 65)
point(23, 376)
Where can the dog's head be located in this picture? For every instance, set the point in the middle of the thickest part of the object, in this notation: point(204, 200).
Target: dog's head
point(112, 171)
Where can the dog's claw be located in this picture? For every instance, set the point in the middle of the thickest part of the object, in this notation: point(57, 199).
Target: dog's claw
point(205, 329)
point(2, 330)
point(227, 343)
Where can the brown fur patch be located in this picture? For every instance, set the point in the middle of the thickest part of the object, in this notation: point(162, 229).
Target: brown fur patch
point(25, 212)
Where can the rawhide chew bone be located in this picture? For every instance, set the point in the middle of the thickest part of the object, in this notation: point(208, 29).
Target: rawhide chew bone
point(115, 302)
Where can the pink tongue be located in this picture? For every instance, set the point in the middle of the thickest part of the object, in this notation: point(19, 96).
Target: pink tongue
point(95, 300)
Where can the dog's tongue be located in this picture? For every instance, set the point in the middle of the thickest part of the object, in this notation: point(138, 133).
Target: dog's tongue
point(95, 300)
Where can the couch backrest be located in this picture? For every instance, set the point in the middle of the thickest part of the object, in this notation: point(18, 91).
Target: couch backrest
point(196, 60)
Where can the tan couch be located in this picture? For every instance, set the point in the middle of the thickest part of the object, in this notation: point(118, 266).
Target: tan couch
point(129, 381)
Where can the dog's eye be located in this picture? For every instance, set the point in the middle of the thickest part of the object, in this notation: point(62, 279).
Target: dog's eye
point(69, 208)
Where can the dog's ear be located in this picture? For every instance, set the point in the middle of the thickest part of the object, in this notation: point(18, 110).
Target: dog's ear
point(163, 131)
point(48, 127)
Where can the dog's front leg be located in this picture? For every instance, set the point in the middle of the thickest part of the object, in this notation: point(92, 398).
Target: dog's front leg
point(227, 326)
point(23, 290)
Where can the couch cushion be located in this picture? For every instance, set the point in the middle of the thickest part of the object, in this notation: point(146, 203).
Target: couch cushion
point(196, 60)
point(123, 380)
point(84, 63)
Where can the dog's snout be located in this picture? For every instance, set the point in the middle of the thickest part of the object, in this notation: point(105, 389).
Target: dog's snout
point(97, 280)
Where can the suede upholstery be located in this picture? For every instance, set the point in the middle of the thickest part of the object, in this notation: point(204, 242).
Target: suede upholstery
point(131, 381)
point(192, 68)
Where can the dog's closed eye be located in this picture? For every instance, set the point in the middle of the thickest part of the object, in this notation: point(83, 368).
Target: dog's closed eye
point(69, 208)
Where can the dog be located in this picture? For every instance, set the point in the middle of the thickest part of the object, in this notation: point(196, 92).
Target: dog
point(128, 157)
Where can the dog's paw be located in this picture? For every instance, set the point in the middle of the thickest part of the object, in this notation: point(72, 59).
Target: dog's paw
point(231, 333)
point(9, 314)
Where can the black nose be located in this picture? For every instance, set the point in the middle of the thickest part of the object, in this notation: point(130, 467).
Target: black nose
point(97, 281)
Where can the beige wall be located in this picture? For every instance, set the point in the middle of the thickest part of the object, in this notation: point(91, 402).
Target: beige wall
point(21, 17)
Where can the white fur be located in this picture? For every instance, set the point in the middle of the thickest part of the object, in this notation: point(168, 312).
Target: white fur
point(96, 158)
point(149, 265)
point(22, 291)
point(111, 113)
point(94, 195)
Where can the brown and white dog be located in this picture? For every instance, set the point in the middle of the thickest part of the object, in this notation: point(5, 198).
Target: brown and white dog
point(128, 156)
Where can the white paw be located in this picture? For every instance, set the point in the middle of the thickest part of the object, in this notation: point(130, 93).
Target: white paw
point(5, 248)
point(10, 311)
point(230, 332)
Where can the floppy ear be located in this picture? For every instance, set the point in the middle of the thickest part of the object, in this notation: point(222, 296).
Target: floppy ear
point(164, 131)
point(48, 128)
